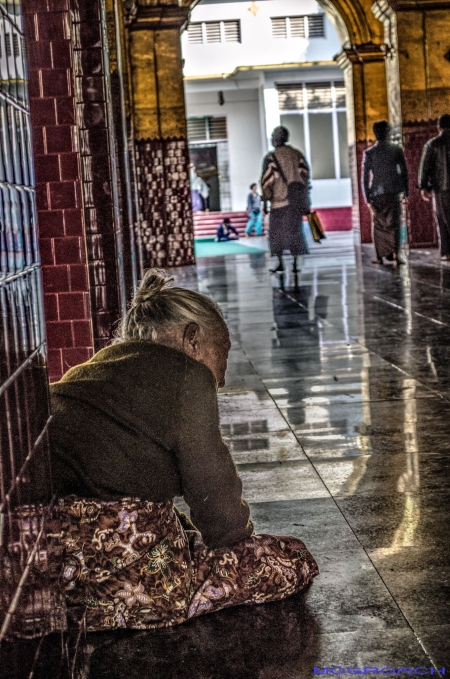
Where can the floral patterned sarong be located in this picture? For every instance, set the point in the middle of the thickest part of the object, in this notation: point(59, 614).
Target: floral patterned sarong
point(132, 564)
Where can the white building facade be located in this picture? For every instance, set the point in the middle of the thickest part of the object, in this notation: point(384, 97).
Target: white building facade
point(250, 66)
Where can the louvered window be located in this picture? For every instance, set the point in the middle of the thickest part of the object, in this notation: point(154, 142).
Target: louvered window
point(311, 26)
point(214, 31)
point(297, 25)
point(16, 45)
point(319, 95)
point(217, 128)
point(8, 44)
point(279, 28)
point(316, 27)
point(206, 129)
point(195, 34)
point(290, 97)
point(340, 94)
point(197, 129)
point(314, 113)
point(232, 31)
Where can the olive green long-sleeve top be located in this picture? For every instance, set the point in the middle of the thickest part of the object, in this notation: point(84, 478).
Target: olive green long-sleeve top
point(141, 420)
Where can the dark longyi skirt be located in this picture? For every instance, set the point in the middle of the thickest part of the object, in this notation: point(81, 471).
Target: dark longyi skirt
point(285, 232)
point(386, 224)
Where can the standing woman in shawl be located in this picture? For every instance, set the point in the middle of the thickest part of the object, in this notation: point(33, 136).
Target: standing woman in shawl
point(285, 183)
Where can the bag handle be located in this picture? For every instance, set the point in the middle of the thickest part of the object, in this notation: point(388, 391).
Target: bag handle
point(280, 169)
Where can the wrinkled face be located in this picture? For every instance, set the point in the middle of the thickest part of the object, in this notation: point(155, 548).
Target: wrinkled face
point(213, 350)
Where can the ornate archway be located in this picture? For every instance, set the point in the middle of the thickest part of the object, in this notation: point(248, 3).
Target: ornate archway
point(377, 74)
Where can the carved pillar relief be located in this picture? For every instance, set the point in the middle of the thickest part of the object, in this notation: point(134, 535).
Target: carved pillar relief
point(100, 187)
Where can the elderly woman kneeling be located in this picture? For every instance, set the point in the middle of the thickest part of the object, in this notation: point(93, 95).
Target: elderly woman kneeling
point(134, 427)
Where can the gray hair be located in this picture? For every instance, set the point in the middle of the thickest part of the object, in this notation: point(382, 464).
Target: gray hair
point(156, 309)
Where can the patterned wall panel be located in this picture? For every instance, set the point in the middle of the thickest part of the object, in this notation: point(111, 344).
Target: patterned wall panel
point(25, 487)
point(165, 202)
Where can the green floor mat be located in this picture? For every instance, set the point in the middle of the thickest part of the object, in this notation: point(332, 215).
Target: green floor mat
point(207, 247)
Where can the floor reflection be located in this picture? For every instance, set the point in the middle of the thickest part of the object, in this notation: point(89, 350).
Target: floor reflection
point(336, 414)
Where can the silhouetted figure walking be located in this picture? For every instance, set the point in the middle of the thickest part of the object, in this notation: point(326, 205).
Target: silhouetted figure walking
point(434, 178)
point(385, 178)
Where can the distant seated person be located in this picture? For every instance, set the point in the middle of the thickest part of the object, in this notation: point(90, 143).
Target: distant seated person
point(134, 427)
point(225, 230)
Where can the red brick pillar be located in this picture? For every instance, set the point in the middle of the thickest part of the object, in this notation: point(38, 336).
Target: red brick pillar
point(60, 214)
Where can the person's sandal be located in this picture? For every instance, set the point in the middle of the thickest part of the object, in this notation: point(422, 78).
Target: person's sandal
point(279, 269)
point(377, 261)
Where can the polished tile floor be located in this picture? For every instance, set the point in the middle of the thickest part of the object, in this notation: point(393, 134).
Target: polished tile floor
point(337, 411)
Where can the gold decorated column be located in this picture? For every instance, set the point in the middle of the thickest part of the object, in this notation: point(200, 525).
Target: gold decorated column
point(416, 32)
point(365, 75)
point(159, 127)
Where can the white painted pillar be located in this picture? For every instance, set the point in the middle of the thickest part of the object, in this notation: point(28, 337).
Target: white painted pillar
point(271, 110)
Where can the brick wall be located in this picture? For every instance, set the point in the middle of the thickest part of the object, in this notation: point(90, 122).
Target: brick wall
point(58, 186)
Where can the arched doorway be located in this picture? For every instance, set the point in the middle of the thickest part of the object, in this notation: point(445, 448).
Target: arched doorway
point(249, 68)
point(362, 60)
point(382, 82)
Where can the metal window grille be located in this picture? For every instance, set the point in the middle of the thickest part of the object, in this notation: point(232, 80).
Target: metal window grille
point(316, 26)
point(206, 129)
point(297, 27)
point(290, 97)
point(279, 27)
point(25, 487)
point(213, 32)
point(195, 34)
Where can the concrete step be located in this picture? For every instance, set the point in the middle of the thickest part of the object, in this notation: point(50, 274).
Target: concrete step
point(207, 223)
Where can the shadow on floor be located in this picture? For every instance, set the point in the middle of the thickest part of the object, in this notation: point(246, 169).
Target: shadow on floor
point(274, 641)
